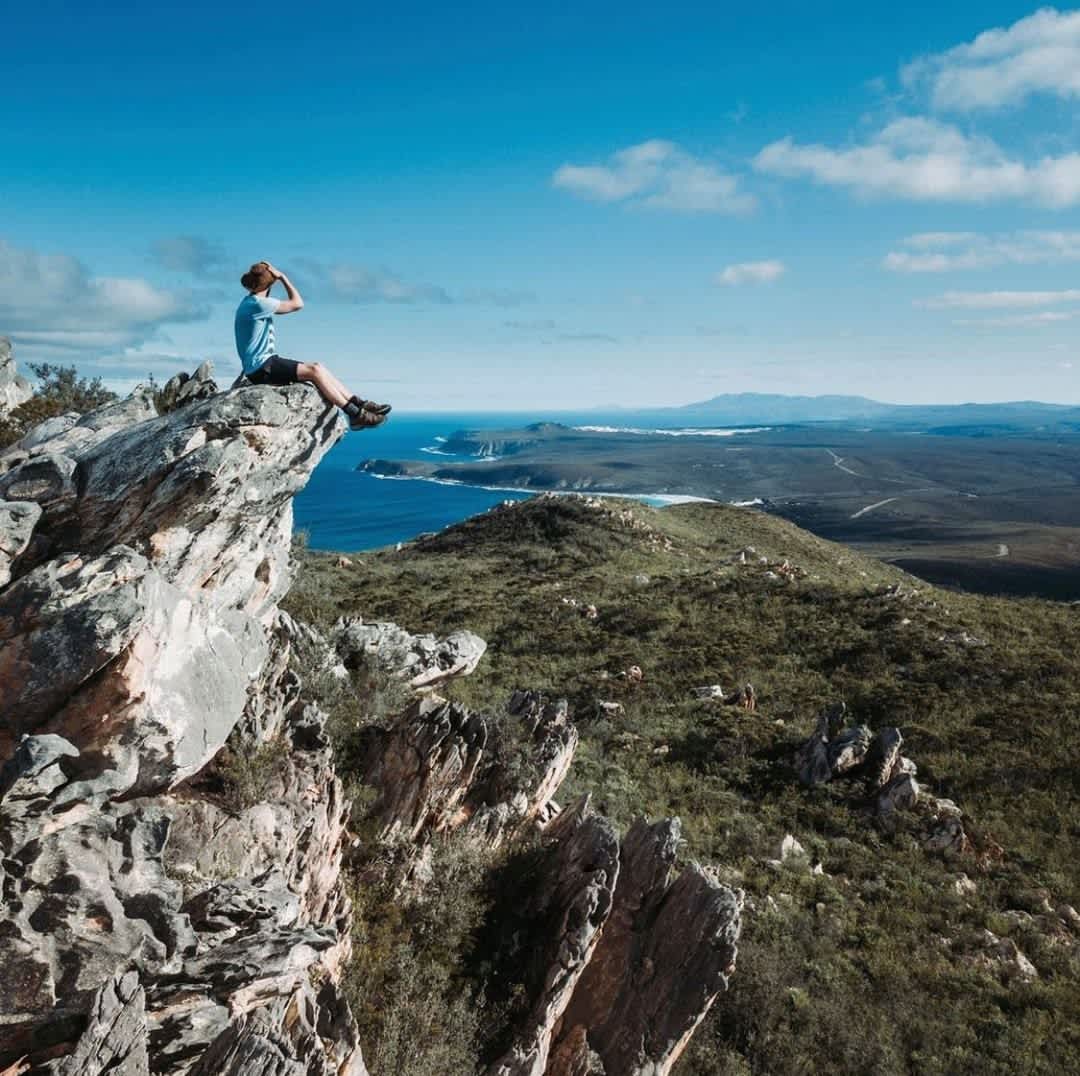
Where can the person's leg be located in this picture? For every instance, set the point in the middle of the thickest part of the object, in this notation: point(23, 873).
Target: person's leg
point(337, 384)
point(329, 387)
point(336, 387)
point(334, 392)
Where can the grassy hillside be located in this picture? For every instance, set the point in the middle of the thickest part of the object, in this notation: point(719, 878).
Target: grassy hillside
point(877, 964)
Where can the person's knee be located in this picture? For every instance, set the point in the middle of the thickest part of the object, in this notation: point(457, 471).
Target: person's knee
point(310, 371)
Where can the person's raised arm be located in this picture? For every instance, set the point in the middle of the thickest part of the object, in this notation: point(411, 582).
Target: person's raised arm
point(294, 301)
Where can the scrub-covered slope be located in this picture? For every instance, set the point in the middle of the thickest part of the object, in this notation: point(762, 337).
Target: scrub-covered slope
point(931, 929)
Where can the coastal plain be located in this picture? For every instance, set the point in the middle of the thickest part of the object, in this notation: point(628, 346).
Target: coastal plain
point(993, 510)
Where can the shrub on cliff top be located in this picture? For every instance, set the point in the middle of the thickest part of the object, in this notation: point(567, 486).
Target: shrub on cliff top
point(60, 390)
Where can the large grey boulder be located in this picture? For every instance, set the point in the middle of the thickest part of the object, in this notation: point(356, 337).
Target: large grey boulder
point(143, 923)
point(424, 661)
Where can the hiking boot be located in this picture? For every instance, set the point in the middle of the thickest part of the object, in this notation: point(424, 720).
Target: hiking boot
point(371, 405)
point(366, 420)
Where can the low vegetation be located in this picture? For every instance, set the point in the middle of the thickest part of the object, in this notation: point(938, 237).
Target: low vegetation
point(59, 391)
point(872, 966)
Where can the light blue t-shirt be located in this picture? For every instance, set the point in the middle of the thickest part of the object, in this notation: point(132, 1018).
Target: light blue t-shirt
point(255, 331)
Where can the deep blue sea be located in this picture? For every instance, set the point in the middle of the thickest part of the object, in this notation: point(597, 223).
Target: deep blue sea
point(345, 509)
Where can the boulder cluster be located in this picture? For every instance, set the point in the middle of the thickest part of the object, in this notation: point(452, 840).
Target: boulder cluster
point(874, 759)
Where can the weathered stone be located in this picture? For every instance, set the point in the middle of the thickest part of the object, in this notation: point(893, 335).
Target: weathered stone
point(422, 660)
point(92, 647)
point(141, 632)
point(114, 1042)
point(883, 759)
point(17, 522)
point(182, 389)
point(900, 794)
point(574, 894)
point(14, 388)
point(665, 953)
point(44, 478)
point(426, 767)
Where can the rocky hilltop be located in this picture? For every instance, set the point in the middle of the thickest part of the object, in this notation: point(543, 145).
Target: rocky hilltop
point(178, 858)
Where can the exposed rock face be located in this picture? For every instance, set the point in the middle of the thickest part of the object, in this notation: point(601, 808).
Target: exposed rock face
point(425, 768)
point(437, 769)
point(145, 923)
point(422, 660)
point(17, 522)
point(14, 388)
point(183, 389)
point(182, 526)
point(575, 894)
point(640, 959)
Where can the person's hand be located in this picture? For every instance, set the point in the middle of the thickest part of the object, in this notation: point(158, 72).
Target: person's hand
point(274, 271)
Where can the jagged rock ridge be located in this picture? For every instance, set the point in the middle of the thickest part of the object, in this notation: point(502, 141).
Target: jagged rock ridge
point(144, 924)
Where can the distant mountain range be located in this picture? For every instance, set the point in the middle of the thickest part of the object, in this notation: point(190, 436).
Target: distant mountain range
point(749, 408)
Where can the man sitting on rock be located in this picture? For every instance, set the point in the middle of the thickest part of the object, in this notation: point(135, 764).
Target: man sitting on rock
point(263, 366)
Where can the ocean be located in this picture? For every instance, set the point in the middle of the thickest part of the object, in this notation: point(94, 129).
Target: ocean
point(344, 509)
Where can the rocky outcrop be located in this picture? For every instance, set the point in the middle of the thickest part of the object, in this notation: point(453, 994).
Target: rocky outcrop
point(147, 920)
point(183, 388)
point(14, 388)
point(441, 767)
point(636, 960)
point(888, 777)
point(423, 661)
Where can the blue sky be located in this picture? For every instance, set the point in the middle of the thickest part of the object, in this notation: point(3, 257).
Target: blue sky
point(492, 207)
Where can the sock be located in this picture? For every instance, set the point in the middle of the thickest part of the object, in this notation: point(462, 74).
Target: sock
point(351, 409)
point(356, 400)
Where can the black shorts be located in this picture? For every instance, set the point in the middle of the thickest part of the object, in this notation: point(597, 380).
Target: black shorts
point(275, 371)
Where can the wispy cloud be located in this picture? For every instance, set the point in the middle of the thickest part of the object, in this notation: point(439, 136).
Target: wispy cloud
point(939, 252)
point(1036, 320)
point(53, 302)
point(999, 300)
point(359, 284)
point(536, 325)
point(1039, 54)
point(494, 296)
point(764, 272)
point(187, 254)
point(594, 338)
point(350, 283)
point(657, 175)
point(922, 159)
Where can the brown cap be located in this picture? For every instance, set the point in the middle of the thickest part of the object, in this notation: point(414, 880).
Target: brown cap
point(258, 277)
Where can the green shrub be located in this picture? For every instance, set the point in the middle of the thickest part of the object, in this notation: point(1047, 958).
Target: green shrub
point(59, 391)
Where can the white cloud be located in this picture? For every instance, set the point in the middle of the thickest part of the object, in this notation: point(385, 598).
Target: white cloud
point(188, 254)
point(1041, 318)
point(925, 160)
point(657, 175)
point(969, 250)
point(751, 273)
point(52, 301)
point(360, 284)
point(999, 300)
point(1039, 54)
point(349, 283)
